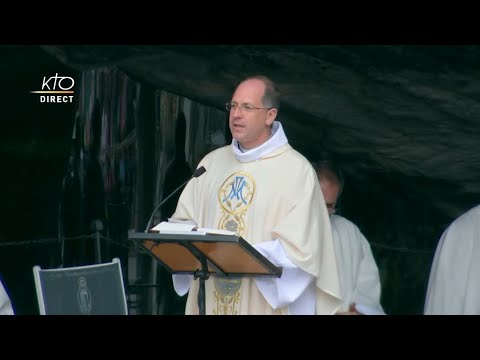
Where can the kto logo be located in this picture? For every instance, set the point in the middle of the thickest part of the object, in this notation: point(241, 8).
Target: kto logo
point(56, 85)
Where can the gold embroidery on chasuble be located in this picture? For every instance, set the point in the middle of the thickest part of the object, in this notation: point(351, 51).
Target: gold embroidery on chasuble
point(234, 197)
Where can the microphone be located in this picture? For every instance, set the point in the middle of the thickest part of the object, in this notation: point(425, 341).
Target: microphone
point(200, 171)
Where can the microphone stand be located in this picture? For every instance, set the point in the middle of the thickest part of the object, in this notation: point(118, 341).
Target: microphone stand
point(196, 173)
point(203, 273)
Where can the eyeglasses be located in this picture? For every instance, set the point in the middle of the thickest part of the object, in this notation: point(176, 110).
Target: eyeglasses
point(244, 107)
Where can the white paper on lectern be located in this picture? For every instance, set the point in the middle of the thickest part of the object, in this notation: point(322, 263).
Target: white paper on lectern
point(167, 227)
point(187, 228)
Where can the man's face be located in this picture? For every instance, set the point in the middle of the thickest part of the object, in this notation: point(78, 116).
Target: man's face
point(330, 190)
point(250, 128)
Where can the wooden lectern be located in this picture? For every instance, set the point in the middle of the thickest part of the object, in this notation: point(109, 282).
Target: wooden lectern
point(202, 254)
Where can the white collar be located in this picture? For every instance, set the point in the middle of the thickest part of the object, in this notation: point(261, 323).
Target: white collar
point(275, 141)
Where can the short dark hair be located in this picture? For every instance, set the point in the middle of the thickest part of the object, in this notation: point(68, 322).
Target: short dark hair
point(271, 97)
point(323, 166)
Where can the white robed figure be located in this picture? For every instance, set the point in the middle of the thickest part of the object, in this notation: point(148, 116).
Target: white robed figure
point(358, 271)
point(454, 284)
point(5, 303)
point(266, 192)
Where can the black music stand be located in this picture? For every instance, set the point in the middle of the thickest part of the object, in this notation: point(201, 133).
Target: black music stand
point(202, 254)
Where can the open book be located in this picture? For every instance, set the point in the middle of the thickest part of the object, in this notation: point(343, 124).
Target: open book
point(186, 228)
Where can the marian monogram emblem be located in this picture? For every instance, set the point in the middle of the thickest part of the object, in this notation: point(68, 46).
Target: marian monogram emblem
point(234, 196)
point(236, 193)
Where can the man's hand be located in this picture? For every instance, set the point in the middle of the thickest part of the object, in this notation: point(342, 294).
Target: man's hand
point(351, 311)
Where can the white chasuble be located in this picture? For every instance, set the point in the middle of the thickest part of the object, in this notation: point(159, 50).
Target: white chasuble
point(273, 197)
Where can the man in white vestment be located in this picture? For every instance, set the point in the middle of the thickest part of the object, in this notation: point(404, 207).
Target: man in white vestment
point(267, 193)
point(359, 277)
point(5, 303)
point(454, 283)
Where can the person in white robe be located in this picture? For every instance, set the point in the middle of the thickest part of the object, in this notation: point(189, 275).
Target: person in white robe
point(453, 285)
point(5, 303)
point(267, 193)
point(360, 286)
